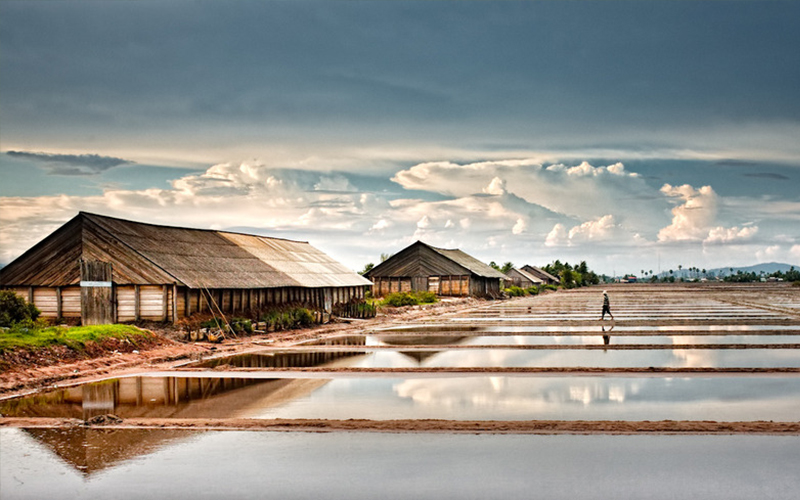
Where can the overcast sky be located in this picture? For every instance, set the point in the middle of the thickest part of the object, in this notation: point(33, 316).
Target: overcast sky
point(633, 135)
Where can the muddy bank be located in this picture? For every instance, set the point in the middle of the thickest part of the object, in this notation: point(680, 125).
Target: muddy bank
point(431, 426)
point(20, 377)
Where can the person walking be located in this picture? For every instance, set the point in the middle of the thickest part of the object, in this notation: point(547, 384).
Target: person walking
point(606, 307)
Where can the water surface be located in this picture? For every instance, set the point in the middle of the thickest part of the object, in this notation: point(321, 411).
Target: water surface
point(353, 466)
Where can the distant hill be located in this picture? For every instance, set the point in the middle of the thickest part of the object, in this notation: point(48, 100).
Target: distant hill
point(766, 268)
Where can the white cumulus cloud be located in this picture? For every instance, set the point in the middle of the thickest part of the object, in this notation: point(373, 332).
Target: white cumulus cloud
point(599, 230)
point(496, 187)
point(692, 219)
point(719, 235)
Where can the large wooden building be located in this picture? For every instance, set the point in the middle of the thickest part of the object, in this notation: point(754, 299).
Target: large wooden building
point(104, 270)
point(421, 267)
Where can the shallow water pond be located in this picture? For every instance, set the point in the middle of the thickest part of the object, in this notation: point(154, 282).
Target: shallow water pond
point(548, 398)
point(595, 339)
point(352, 466)
point(499, 357)
point(475, 397)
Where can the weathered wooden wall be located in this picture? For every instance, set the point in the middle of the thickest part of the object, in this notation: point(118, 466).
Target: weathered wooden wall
point(440, 285)
point(167, 302)
point(97, 293)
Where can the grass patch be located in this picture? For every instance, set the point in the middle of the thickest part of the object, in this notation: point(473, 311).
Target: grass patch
point(77, 338)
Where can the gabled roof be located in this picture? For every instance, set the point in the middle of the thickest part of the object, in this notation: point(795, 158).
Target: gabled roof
point(525, 274)
point(536, 271)
point(469, 262)
point(147, 253)
point(421, 259)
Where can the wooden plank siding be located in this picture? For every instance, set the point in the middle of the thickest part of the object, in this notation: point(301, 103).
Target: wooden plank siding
point(46, 300)
point(70, 302)
point(168, 302)
point(126, 303)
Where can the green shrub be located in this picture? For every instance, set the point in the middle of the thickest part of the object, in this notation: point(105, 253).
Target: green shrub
point(400, 299)
point(213, 323)
point(14, 309)
point(426, 297)
point(241, 325)
point(367, 309)
point(237, 325)
point(302, 317)
point(514, 291)
point(288, 318)
point(532, 290)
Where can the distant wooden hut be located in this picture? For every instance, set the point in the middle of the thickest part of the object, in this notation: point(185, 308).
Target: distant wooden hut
point(546, 277)
point(102, 270)
point(421, 267)
point(522, 278)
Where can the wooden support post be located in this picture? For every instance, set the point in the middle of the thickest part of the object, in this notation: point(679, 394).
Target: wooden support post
point(30, 294)
point(137, 303)
point(174, 302)
point(187, 302)
point(164, 303)
point(58, 303)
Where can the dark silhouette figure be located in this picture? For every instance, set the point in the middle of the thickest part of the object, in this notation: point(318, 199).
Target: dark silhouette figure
point(606, 307)
point(606, 336)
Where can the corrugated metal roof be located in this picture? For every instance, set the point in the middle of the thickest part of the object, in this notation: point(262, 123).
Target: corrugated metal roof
point(218, 259)
point(469, 262)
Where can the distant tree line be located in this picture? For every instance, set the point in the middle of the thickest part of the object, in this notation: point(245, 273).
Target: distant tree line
point(741, 277)
point(573, 276)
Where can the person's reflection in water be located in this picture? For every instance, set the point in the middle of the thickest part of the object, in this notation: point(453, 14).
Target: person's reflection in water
point(606, 336)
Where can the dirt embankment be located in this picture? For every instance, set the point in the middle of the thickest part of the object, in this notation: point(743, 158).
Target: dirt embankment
point(26, 371)
point(429, 426)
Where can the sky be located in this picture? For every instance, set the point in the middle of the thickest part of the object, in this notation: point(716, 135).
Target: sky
point(635, 136)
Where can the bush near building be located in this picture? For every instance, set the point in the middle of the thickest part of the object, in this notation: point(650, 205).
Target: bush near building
point(400, 299)
point(14, 309)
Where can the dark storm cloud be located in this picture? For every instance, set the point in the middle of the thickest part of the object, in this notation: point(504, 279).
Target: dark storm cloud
point(61, 164)
point(768, 175)
point(389, 68)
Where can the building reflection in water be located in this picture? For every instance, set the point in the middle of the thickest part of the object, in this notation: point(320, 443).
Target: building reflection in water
point(90, 450)
point(280, 359)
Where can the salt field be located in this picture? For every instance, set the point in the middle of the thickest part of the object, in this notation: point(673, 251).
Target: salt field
point(695, 361)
